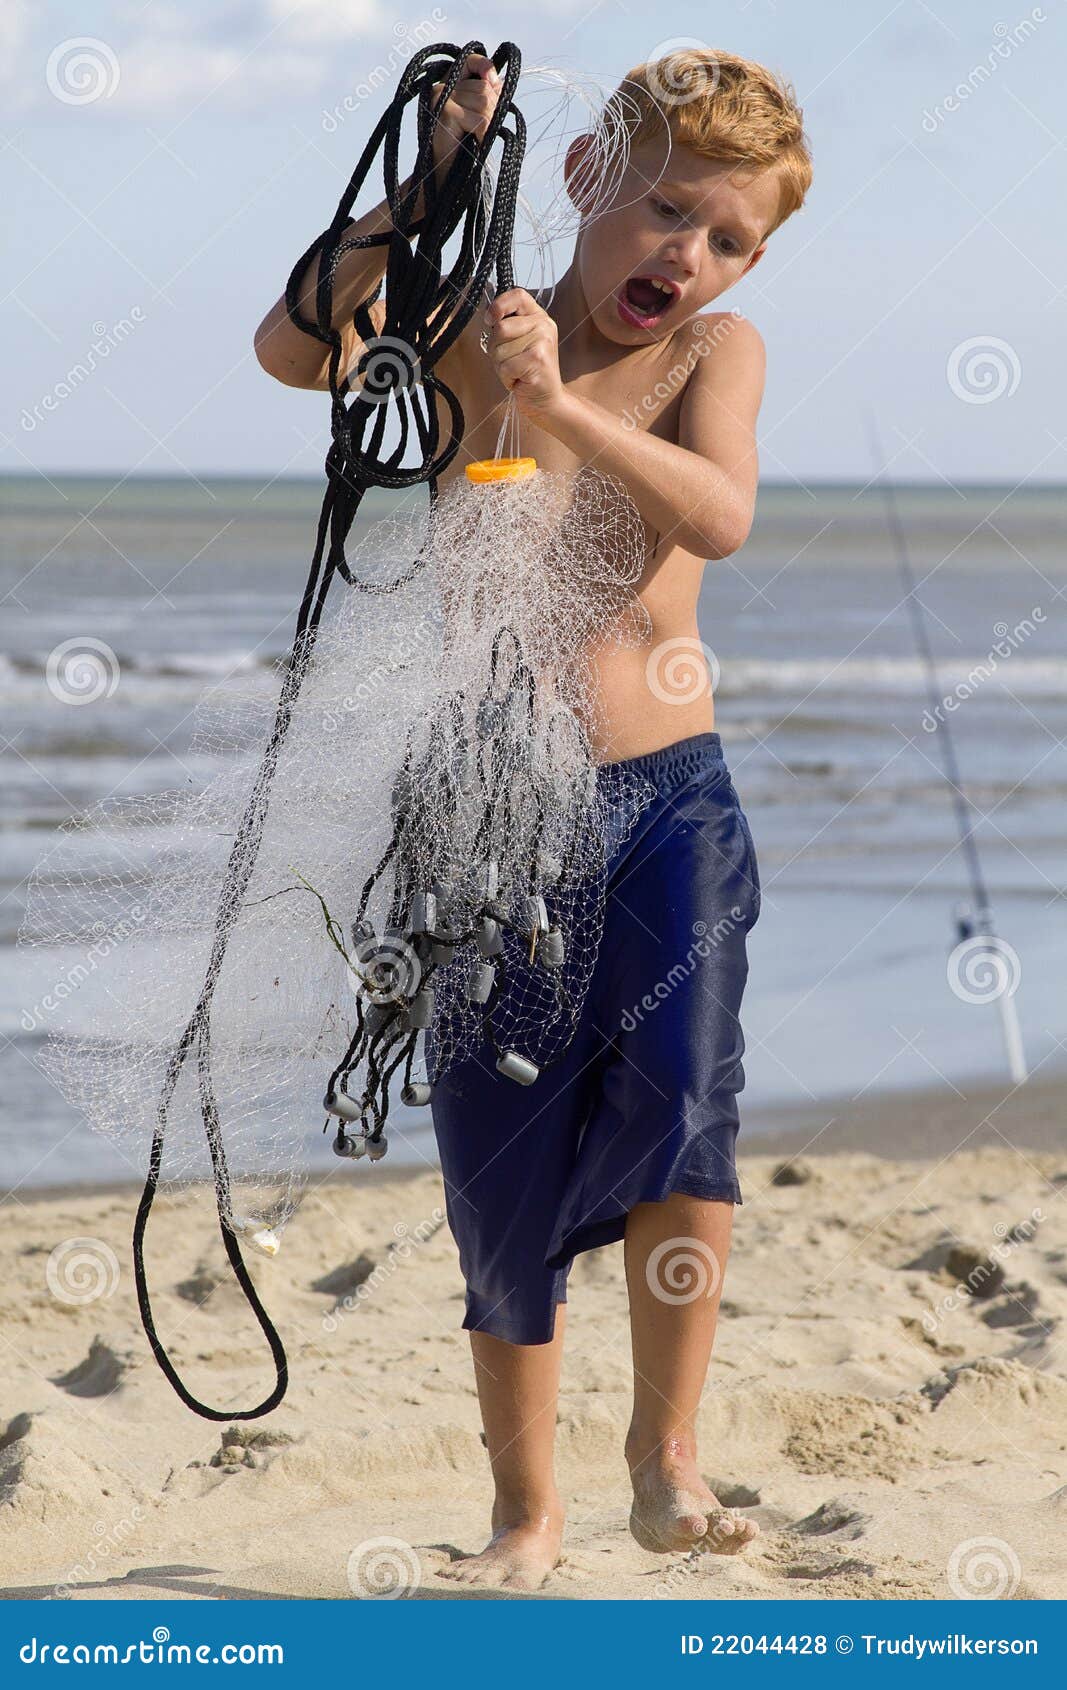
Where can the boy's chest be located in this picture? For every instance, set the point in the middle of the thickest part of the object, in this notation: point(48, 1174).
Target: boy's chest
point(644, 394)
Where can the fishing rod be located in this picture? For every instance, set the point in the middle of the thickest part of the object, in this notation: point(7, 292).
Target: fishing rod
point(974, 924)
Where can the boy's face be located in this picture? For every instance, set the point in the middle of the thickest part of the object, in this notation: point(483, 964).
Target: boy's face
point(698, 230)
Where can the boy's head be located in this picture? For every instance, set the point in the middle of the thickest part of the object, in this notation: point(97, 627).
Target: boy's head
point(717, 161)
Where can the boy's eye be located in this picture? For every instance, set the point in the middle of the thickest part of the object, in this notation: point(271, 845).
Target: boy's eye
point(727, 246)
point(665, 209)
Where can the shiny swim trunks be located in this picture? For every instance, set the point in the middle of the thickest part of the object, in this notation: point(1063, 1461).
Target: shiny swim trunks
point(644, 1101)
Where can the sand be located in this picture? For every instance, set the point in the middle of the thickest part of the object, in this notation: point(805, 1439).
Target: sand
point(893, 1435)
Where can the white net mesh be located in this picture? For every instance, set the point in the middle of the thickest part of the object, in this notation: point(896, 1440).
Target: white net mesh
point(431, 858)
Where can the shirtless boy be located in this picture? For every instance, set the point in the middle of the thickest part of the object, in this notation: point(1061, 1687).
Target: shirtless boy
point(632, 1136)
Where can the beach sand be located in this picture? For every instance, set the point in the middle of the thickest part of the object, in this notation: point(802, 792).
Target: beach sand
point(893, 1435)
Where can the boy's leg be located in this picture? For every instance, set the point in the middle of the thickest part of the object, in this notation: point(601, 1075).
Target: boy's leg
point(518, 1387)
point(675, 1254)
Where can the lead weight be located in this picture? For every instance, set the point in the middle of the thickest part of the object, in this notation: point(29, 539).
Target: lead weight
point(420, 1010)
point(416, 1095)
point(376, 1015)
point(376, 1148)
point(345, 1145)
point(490, 881)
point(362, 934)
point(423, 918)
point(536, 914)
point(339, 1103)
point(549, 868)
point(441, 954)
point(480, 982)
point(487, 937)
point(517, 1068)
point(550, 949)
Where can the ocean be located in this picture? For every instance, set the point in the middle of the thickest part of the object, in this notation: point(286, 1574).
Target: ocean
point(832, 739)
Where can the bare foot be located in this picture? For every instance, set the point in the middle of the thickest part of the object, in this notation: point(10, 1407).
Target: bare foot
point(674, 1509)
point(517, 1557)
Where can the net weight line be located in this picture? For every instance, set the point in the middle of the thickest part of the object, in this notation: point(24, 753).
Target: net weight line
point(426, 310)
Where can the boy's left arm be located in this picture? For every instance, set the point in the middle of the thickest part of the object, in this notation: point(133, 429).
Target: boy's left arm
point(698, 494)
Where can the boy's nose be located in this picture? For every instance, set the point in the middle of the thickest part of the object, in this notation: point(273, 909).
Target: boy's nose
point(681, 259)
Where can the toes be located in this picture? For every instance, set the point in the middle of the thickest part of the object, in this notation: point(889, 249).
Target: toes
point(728, 1534)
point(524, 1579)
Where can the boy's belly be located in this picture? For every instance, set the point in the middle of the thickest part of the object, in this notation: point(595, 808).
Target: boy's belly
point(651, 696)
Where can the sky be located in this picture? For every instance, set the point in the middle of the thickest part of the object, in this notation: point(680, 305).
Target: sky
point(165, 165)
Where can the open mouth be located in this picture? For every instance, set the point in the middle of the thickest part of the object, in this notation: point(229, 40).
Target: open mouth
point(645, 300)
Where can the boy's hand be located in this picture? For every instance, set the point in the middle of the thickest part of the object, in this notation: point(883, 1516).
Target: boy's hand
point(523, 345)
point(468, 111)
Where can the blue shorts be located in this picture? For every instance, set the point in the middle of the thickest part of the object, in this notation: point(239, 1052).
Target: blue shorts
point(644, 1101)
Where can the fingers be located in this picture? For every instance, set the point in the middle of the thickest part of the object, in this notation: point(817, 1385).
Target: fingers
point(474, 98)
point(513, 302)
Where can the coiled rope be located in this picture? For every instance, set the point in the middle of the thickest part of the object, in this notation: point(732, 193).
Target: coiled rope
point(426, 309)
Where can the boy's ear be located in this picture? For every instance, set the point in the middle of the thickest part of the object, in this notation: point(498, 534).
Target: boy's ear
point(756, 256)
point(579, 173)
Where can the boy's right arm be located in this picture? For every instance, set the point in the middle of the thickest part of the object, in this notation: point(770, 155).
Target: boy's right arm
point(298, 359)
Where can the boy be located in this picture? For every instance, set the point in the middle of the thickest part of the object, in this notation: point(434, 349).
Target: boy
point(631, 1136)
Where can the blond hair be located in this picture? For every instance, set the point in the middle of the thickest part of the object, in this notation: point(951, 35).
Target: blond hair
point(721, 107)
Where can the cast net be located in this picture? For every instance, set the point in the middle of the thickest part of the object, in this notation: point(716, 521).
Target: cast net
point(432, 857)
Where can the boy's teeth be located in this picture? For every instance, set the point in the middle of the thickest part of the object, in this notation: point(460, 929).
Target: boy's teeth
point(648, 296)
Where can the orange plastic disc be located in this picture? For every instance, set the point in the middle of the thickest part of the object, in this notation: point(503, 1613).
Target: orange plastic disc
point(501, 469)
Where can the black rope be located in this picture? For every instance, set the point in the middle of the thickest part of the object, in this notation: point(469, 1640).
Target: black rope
point(426, 309)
